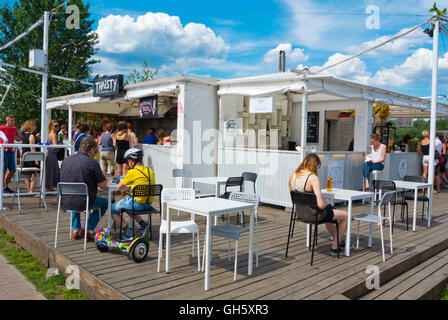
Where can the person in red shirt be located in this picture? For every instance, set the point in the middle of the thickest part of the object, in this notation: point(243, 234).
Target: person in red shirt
point(10, 157)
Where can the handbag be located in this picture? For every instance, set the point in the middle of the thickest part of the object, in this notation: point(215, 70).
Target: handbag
point(437, 155)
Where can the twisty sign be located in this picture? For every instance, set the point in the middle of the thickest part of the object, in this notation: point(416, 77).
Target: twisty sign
point(108, 86)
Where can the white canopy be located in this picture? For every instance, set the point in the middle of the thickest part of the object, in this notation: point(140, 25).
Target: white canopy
point(322, 88)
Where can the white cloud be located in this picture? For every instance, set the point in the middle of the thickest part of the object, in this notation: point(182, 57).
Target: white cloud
point(292, 56)
point(417, 68)
point(353, 70)
point(400, 46)
point(158, 36)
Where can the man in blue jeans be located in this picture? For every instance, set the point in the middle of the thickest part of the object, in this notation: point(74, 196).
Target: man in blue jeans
point(81, 167)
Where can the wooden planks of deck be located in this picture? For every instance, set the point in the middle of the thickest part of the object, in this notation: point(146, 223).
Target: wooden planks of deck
point(276, 278)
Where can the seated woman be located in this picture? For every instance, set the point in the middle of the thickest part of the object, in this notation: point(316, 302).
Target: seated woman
point(305, 178)
point(376, 159)
point(137, 175)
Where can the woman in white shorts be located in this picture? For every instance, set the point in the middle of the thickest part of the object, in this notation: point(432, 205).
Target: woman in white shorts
point(423, 150)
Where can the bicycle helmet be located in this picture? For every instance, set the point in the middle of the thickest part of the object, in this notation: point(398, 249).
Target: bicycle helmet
point(134, 154)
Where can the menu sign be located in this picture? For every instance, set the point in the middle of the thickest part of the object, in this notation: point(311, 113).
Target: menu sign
point(261, 105)
point(148, 107)
point(108, 86)
point(313, 127)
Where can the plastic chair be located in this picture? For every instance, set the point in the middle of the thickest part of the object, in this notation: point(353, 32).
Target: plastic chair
point(386, 199)
point(251, 177)
point(27, 157)
point(230, 183)
point(410, 195)
point(304, 206)
point(73, 189)
point(233, 232)
point(142, 191)
point(178, 227)
point(384, 185)
point(187, 180)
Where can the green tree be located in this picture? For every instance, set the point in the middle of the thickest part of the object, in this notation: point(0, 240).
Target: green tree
point(70, 55)
point(147, 73)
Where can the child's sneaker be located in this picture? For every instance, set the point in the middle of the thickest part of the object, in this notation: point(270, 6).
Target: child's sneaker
point(126, 234)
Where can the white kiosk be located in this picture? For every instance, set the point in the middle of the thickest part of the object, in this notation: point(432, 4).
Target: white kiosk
point(195, 110)
point(323, 113)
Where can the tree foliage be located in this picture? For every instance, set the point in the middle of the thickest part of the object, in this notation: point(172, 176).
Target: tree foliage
point(70, 55)
point(145, 74)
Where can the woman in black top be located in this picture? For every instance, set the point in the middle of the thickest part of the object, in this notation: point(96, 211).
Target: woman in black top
point(29, 138)
point(123, 144)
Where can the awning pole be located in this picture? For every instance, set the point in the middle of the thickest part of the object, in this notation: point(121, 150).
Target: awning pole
point(435, 62)
point(70, 125)
point(304, 118)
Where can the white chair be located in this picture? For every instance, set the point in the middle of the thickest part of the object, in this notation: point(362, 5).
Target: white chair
point(177, 227)
point(73, 189)
point(231, 231)
point(27, 157)
point(387, 198)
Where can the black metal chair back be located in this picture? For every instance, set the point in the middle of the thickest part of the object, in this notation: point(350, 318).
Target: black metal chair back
point(142, 191)
point(250, 176)
point(233, 182)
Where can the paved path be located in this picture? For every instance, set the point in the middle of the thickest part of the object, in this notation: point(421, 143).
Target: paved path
point(14, 285)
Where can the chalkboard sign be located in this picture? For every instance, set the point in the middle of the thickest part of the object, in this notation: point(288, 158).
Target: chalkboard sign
point(313, 127)
point(108, 86)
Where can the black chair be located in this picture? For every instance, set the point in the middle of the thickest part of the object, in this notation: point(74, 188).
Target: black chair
point(304, 206)
point(385, 186)
point(251, 177)
point(147, 191)
point(233, 182)
point(409, 195)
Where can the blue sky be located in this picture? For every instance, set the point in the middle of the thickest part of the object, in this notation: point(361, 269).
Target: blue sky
point(242, 38)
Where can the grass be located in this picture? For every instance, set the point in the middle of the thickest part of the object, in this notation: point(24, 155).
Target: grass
point(445, 294)
point(33, 269)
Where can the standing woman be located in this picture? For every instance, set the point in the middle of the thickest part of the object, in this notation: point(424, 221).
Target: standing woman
point(377, 158)
point(123, 142)
point(28, 138)
point(52, 173)
point(443, 160)
point(134, 140)
point(423, 150)
point(108, 143)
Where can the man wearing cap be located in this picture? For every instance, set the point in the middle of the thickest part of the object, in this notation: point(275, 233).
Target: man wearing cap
point(137, 175)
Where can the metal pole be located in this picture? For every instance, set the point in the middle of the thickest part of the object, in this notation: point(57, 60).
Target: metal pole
point(70, 125)
point(435, 62)
point(43, 125)
point(304, 118)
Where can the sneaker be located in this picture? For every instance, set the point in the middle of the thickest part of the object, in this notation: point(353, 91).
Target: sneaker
point(77, 235)
point(90, 235)
point(126, 234)
point(342, 245)
point(334, 252)
point(7, 190)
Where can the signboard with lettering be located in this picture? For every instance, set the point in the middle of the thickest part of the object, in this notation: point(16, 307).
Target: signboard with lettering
point(261, 105)
point(336, 172)
point(313, 127)
point(148, 107)
point(108, 86)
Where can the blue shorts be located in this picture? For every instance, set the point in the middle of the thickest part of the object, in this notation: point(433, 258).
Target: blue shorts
point(126, 203)
point(10, 161)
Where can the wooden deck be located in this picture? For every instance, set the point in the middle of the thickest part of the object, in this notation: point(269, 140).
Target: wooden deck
point(112, 275)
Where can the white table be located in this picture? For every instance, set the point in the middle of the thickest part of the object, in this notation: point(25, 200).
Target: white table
point(416, 186)
point(349, 196)
point(209, 207)
point(215, 181)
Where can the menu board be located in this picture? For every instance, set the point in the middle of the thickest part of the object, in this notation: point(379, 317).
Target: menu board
point(148, 107)
point(313, 127)
point(336, 172)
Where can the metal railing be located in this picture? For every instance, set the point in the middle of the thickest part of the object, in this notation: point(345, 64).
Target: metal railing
point(44, 149)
